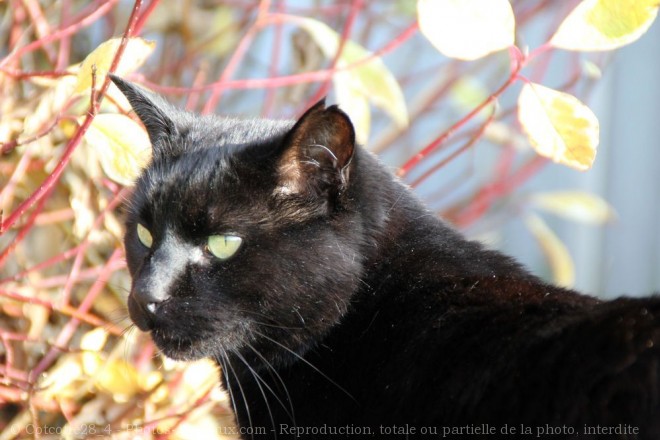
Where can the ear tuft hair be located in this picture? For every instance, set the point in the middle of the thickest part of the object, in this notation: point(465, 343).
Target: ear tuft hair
point(154, 112)
point(317, 153)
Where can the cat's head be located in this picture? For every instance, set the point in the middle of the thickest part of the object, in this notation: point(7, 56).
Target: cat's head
point(240, 232)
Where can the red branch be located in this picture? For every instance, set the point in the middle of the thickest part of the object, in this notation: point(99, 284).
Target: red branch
point(416, 159)
point(82, 129)
point(356, 7)
point(94, 15)
point(473, 140)
point(288, 80)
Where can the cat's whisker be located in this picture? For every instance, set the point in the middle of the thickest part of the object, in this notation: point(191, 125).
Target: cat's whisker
point(126, 330)
point(118, 315)
point(223, 361)
point(275, 323)
point(258, 379)
point(124, 337)
point(240, 387)
point(159, 352)
point(277, 375)
point(306, 362)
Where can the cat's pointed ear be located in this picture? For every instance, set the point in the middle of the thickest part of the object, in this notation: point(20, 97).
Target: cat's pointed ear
point(154, 112)
point(318, 152)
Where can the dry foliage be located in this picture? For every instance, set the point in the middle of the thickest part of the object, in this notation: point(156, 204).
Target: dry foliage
point(70, 363)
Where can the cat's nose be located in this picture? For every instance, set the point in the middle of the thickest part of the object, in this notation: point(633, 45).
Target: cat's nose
point(148, 297)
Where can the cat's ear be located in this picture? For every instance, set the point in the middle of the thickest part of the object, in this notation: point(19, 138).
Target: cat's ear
point(318, 152)
point(154, 112)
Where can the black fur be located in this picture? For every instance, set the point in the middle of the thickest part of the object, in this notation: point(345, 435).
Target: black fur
point(351, 305)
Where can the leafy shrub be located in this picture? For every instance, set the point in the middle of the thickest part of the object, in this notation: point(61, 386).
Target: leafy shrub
point(70, 362)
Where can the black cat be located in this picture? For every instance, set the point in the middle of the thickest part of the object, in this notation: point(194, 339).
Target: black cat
point(339, 307)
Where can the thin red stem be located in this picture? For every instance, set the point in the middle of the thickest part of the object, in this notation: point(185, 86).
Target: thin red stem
point(142, 19)
point(269, 99)
point(82, 129)
point(356, 7)
point(6, 252)
point(94, 15)
point(74, 273)
point(415, 160)
point(288, 80)
point(66, 310)
point(69, 329)
point(465, 147)
point(237, 57)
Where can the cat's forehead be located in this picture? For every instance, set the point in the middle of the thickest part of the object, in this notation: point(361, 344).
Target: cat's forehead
point(203, 189)
point(215, 131)
point(194, 169)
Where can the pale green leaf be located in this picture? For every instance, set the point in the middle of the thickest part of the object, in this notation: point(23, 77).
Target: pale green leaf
point(591, 70)
point(596, 25)
point(467, 29)
point(136, 52)
point(558, 126)
point(575, 205)
point(561, 263)
point(122, 145)
point(371, 80)
point(468, 92)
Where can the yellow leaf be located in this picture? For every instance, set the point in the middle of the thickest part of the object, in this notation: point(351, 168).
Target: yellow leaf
point(467, 29)
point(198, 378)
point(200, 375)
point(136, 52)
point(91, 362)
point(160, 394)
point(221, 20)
point(575, 205)
point(554, 250)
point(94, 340)
point(118, 378)
point(81, 201)
point(50, 103)
point(596, 25)
point(355, 103)
point(150, 380)
point(64, 378)
point(371, 80)
point(199, 425)
point(91, 344)
point(122, 145)
point(558, 126)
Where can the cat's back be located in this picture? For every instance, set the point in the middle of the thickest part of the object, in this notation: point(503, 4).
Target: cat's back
point(498, 349)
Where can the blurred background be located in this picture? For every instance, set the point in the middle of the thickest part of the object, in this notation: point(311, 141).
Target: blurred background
point(68, 356)
point(623, 256)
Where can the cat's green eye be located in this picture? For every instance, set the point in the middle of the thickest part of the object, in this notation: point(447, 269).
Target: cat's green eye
point(144, 235)
point(223, 246)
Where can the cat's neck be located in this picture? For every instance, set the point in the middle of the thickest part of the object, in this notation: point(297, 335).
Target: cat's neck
point(405, 237)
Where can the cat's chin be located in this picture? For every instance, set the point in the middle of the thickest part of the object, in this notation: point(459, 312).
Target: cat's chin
point(180, 349)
